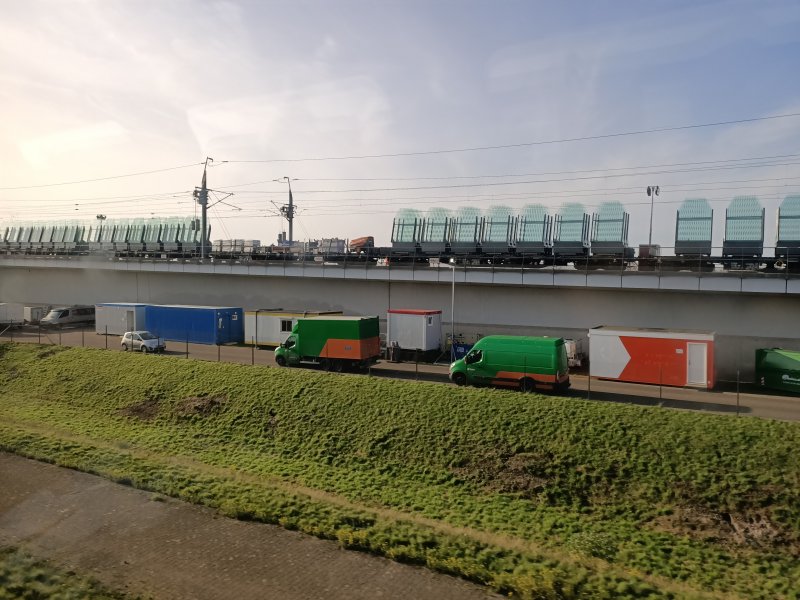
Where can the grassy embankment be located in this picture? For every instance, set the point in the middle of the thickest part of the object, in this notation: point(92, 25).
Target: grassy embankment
point(539, 497)
point(25, 578)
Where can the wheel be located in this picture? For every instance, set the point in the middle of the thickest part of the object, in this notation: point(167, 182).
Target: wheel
point(459, 379)
point(124, 347)
point(280, 361)
point(337, 365)
point(143, 349)
point(527, 385)
point(324, 364)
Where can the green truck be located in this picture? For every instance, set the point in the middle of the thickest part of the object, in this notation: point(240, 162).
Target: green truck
point(778, 369)
point(332, 343)
point(521, 362)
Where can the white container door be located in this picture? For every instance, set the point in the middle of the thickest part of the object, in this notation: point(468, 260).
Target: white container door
point(131, 321)
point(697, 367)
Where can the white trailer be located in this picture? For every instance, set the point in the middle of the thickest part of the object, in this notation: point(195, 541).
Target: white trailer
point(115, 318)
point(271, 326)
point(414, 329)
point(11, 313)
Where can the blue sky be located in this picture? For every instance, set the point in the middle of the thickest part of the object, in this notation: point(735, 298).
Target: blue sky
point(97, 89)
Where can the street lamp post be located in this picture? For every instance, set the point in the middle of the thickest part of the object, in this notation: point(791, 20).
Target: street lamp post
point(652, 191)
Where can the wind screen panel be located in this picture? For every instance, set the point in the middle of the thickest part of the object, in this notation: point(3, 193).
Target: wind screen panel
point(744, 220)
point(532, 224)
point(436, 225)
point(789, 219)
point(695, 221)
point(611, 223)
point(405, 225)
point(497, 224)
point(465, 227)
point(572, 223)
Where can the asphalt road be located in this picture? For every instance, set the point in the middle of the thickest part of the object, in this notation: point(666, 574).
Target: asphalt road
point(721, 400)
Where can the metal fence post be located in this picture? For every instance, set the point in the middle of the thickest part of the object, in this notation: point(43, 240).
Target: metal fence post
point(106, 337)
point(59, 336)
point(219, 349)
point(660, 382)
point(589, 386)
point(737, 392)
point(83, 339)
point(253, 353)
point(416, 365)
point(39, 335)
point(187, 346)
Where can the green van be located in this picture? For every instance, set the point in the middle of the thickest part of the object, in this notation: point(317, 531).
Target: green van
point(525, 363)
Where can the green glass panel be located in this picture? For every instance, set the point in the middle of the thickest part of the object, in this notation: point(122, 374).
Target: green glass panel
point(497, 219)
point(532, 223)
point(464, 227)
point(436, 224)
point(744, 220)
point(694, 221)
point(405, 225)
point(610, 223)
point(789, 219)
point(572, 219)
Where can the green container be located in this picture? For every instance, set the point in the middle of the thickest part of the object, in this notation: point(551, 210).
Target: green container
point(332, 342)
point(778, 369)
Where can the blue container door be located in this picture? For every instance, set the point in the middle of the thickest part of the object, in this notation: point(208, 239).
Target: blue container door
point(223, 326)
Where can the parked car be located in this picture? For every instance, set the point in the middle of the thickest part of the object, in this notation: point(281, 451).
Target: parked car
point(144, 341)
point(68, 315)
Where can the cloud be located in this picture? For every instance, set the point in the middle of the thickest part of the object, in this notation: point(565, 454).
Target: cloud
point(41, 150)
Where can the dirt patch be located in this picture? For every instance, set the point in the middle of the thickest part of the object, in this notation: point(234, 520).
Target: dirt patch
point(752, 530)
point(521, 473)
point(200, 405)
point(146, 410)
point(50, 351)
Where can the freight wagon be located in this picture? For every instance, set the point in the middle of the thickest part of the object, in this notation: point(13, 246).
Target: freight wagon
point(196, 324)
point(332, 343)
point(677, 357)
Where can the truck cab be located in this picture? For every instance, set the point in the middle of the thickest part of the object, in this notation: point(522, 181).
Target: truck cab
point(286, 354)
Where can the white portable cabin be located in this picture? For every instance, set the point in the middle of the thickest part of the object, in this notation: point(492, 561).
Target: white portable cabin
point(414, 329)
point(271, 326)
point(34, 313)
point(11, 313)
point(115, 318)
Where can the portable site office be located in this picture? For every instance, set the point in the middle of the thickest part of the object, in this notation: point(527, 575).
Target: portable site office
point(115, 318)
point(271, 326)
point(678, 357)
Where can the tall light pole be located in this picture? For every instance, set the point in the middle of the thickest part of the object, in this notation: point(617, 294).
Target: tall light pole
point(452, 313)
point(652, 191)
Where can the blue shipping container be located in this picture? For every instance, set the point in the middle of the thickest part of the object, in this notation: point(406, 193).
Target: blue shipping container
point(196, 324)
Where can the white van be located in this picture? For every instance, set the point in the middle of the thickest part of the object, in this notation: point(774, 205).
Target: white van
point(69, 315)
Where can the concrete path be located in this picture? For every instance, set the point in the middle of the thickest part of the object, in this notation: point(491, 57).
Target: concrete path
point(141, 544)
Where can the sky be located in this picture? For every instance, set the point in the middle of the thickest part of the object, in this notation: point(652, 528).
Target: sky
point(112, 107)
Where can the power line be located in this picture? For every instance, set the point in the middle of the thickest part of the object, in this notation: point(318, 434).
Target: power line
point(525, 144)
point(44, 185)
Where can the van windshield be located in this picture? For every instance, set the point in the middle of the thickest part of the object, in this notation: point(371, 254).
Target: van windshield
point(146, 335)
point(57, 314)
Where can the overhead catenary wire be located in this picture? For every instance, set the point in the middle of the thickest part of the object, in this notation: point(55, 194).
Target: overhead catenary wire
point(528, 144)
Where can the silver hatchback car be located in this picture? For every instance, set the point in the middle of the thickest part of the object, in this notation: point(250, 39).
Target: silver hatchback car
point(144, 341)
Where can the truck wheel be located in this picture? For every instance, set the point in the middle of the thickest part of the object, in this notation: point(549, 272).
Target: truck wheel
point(337, 365)
point(527, 385)
point(280, 361)
point(324, 364)
point(459, 379)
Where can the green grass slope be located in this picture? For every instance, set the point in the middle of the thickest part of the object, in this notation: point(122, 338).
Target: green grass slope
point(533, 496)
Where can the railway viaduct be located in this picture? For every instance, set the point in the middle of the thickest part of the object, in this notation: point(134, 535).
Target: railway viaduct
point(747, 310)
